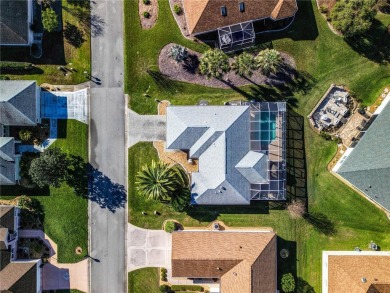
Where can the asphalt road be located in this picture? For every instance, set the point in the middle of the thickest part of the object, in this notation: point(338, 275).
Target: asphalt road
point(107, 208)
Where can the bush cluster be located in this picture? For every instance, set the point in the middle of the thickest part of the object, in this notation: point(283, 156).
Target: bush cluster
point(164, 274)
point(187, 288)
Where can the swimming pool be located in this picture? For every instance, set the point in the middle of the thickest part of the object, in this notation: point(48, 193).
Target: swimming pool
point(263, 127)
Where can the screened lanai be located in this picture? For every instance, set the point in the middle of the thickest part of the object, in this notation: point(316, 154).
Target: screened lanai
point(236, 35)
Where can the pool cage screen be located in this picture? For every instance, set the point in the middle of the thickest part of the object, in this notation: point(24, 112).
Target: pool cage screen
point(236, 35)
point(268, 136)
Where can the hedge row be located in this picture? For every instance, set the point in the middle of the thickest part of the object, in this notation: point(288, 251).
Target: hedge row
point(14, 65)
point(187, 288)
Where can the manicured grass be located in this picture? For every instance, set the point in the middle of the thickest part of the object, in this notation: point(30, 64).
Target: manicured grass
point(57, 51)
point(339, 218)
point(66, 216)
point(144, 281)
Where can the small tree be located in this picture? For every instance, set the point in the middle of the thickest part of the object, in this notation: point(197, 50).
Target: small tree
point(49, 169)
point(353, 17)
point(244, 64)
point(269, 61)
point(178, 53)
point(296, 209)
point(214, 63)
point(25, 134)
point(288, 283)
point(49, 20)
point(170, 226)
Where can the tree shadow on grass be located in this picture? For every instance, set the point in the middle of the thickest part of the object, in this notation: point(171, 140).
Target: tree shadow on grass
point(104, 191)
point(163, 82)
point(321, 223)
point(77, 176)
point(303, 286)
point(91, 23)
point(73, 35)
point(288, 264)
point(374, 45)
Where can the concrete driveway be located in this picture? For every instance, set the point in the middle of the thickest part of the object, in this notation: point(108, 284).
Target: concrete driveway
point(145, 127)
point(148, 248)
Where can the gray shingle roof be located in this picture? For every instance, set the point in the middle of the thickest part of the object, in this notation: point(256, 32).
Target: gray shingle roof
point(18, 102)
point(219, 150)
point(7, 163)
point(14, 23)
point(369, 162)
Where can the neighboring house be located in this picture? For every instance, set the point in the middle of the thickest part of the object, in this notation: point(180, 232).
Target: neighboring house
point(355, 271)
point(242, 261)
point(16, 18)
point(240, 151)
point(367, 165)
point(233, 19)
point(15, 276)
point(9, 161)
point(19, 106)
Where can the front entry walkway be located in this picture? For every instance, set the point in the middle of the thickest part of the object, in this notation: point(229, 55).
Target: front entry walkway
point(148, 248)
point(145, 128)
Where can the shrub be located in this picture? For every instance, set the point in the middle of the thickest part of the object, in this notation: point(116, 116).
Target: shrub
point(164, 274)
point(25, 134)
point(187, 288)
point(323, 9)
point(178, 53)
point(353, 17)
point(325, 135)
point(296, 209)
point(177, 9)
point(384, 6)
point(164, 270)
point(288, 283)
point(170, 226)
point(146, 14)
point(165, 288)
point(146, 2)
point(49, 20)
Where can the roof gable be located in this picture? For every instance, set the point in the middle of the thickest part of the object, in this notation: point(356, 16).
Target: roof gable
point(18, 103)
point(19, 277)
point(14, 22)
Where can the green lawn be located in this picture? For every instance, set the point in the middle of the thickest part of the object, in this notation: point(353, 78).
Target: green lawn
point(339, 218)
point(58, 51)
point(66, 216)
point(144, 281)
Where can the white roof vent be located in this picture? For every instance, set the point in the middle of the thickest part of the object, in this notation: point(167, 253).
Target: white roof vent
point(364, 280)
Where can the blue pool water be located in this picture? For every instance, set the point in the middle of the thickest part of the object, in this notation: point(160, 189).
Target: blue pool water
point(264, 127)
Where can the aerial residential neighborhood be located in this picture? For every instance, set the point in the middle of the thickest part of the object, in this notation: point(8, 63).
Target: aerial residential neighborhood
point(187, 146)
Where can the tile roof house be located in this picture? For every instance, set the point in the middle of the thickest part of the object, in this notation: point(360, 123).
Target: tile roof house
point(16, 18)
point(240, 150)
point(234, 19)
point(243, 261)
point(367, 165)
point(15, 275)
point(355, 271)
point(19, 106)
point(205, 15)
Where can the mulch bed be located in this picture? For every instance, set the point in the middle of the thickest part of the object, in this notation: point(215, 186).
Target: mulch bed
point(180, 18)
point(152, 9)
point(188, 71)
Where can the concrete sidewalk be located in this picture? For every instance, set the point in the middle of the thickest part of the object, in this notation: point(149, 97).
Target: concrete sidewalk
point(148, 248)
point(57, 275)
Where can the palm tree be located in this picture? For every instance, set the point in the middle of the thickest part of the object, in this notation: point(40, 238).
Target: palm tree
point(214, 63)
point(157, 181)
point(269, 61)
point(244, 64)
